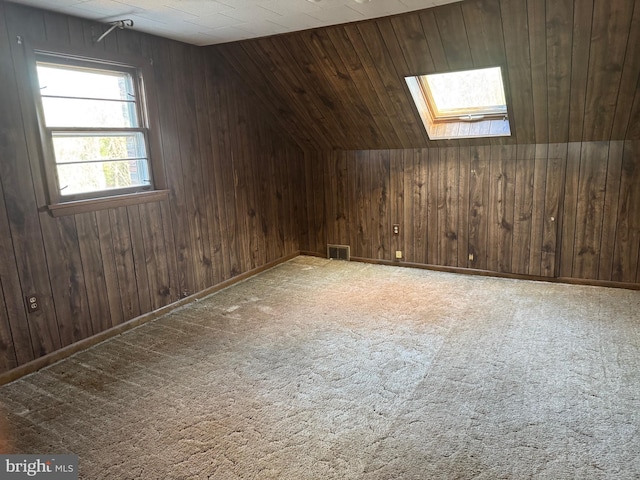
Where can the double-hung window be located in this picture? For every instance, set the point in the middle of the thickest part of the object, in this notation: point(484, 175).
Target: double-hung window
point(94, 127)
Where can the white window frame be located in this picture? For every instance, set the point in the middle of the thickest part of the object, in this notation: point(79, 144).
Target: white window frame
point(148, 125)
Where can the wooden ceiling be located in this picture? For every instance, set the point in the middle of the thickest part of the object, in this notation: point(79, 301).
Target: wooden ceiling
point(572, 70)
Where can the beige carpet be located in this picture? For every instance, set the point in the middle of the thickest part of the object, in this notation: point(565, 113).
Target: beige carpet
point(324, 369)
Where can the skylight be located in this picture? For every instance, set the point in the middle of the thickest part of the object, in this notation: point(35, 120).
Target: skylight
point(448, 102)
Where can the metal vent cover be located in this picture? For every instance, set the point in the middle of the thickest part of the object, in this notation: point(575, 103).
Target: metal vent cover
point(339, 252)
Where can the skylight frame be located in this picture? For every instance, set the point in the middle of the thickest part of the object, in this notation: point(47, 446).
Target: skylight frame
point(489, 121)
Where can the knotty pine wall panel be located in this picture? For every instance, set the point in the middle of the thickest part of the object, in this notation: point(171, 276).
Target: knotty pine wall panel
point(540, 210)
point(233, 183)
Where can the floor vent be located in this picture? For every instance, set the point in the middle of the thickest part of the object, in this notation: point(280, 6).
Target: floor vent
point(339, 252)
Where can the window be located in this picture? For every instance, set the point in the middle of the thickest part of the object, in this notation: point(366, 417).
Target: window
point(94, 126)
point(464, 104)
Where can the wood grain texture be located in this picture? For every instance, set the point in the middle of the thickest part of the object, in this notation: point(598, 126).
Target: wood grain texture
point(627, 247)
point(609, 35)
point(540, 210)
point(590, 209)
point(580, 50)
point(559, 32)
point(452, 29)
point(571, 67)
point(276, 145)
point(225, 167)
point(525, 233)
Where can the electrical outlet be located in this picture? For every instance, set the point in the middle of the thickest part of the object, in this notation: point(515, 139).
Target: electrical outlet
point(396, 229)
point(33, 304)
point(398, 254)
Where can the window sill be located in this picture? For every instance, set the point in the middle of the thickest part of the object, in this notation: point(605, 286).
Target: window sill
point(103, 203)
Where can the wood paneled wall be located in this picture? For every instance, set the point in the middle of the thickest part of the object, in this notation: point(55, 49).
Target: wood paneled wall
point(233, 183)
point(572, 70)
point(545, 210)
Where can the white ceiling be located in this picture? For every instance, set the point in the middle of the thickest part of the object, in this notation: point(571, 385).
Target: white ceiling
point(206, 22)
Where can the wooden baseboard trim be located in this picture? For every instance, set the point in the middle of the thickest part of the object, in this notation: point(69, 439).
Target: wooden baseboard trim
point(69, 350)
point(488, 273)
point(309, 253)
point(599, 283)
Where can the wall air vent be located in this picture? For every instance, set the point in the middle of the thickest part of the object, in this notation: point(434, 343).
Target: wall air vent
point(339, 252)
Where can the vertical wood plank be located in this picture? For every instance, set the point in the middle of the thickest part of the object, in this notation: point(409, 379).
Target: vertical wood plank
point(559, 28)
point(379, 65)
point(397, 203)
point(124, 263)
point(482, 19)
point(582, 20)
point(212, 256)
point(380, 218)
point(361, 176)
point(320, 223)
point(218, 129)
point(108, 255)
point(341, 204)
point(94, 276)
point(67, 278)
point(501, 207)
point(187, 137)
point(173, 169)
point(523, 231)
point(610, 210)
point(139, 256)
point(409, 217)
point(590, 209)
point(432, 165)
point(155, 255)
point(14, 329)
point(516, 38)
point(430, 28)
point(353, 169)
point(448, 174)
point(627, 246)
point(570, 209)
point(7, 349)
point(538, 218)
point(413, 44)
point(479, 188)
point(331, 197)
point(538, 52)
point(357, 69)
point(453, 34)
point(463, 206)
point(609, 35)
point(629, 82)
point(19, 195)
point(555, 182)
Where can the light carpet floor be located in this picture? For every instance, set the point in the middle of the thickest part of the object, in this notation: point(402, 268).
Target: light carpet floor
point(321, 369)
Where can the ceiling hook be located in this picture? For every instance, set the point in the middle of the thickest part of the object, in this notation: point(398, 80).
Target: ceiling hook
point(121, 24)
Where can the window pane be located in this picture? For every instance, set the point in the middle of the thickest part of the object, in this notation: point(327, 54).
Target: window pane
point(89, 148)
point(69, 112)
point(96, 176)
point(471, 89)
point(68, 81)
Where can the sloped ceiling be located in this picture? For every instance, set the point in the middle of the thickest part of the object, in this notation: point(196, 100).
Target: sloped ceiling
point(572, 67)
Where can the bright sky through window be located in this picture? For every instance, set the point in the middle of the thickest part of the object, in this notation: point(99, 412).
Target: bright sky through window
point(91, 115)
point(472, 92)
